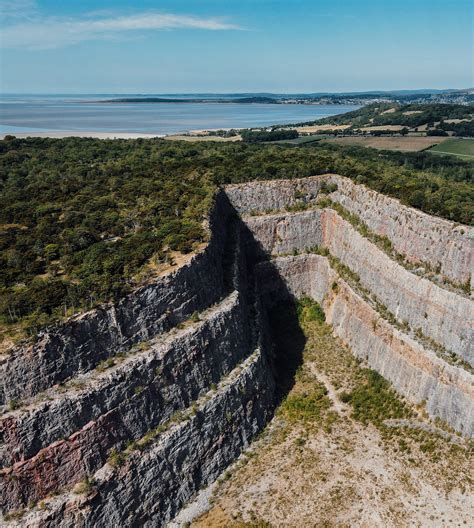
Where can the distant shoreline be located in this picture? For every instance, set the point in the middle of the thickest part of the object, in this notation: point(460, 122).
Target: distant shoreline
point(164, 100)
point(82, 134)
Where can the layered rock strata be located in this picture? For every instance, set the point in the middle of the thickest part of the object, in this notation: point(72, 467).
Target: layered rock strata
point(421, 238)
point(61, 441)
point(127, 410)
point(440, 314)
point(415, 332)
point(152, 484)
point(66, 434)
point(80, 344)
point(415, 371)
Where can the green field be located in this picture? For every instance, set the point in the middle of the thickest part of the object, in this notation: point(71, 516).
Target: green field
point(463, 148)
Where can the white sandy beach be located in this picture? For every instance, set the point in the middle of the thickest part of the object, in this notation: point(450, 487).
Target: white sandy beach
point(97, 135)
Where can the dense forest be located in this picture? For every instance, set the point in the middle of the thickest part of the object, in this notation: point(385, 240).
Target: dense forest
point(260, 136)
point(83, 221)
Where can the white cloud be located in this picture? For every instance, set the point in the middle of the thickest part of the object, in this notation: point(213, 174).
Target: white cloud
point(55, 32)
point(17, 8)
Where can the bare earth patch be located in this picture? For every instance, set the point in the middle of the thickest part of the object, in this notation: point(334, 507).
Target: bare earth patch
point(455, 121)
point(317, 466)
point(197, 139)
point(407, 143)
point(394, 128)
point(311, 129)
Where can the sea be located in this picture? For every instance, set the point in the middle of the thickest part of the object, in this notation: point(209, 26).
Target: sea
point(88, 113)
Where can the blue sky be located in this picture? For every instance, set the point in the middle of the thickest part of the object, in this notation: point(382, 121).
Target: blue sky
point(143, 46)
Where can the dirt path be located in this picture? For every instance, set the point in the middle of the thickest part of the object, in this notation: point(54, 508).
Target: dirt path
point(338, 406)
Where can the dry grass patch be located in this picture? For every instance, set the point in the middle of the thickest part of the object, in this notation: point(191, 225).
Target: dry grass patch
point(394, 128)
point(407, 143)
point(198, 139)
point(311, 129)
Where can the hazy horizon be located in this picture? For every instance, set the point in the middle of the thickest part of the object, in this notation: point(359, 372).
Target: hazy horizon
point(257, 92)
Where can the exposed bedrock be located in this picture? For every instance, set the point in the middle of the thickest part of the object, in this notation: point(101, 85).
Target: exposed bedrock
point(416, 235)
point(60, 442)
point(81, 343)
point(191, 371)
point(152, 485)
point(415, 371)
point(439, 314)
point(210, 365)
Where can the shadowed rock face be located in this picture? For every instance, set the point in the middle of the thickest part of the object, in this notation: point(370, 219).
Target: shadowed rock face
point(192, 374)
point(415, 371)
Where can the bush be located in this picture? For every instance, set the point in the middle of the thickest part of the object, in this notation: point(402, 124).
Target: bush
point(116, 458)
point(373, 400)
point(309, 310)
point(307, 406)
point(436, 132)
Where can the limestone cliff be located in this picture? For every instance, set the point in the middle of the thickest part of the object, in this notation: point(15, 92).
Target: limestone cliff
point(420, 237)
point(121, 414)
point(439, 314)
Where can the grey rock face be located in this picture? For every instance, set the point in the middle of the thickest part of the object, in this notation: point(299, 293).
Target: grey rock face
point(150, 488)
point(441, 315)
point(421, 237)
point(418, 236)
point(81, 343)
point(415, 371)
point(279, 234)
point(66, 439)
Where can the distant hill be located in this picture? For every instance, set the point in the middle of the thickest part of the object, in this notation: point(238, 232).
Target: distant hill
point(240, 100)
point(464, 97)
point(435, 119)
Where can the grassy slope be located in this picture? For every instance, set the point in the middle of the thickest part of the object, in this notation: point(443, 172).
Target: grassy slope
point(411, 116)
point(463, 148)
point(397, 143)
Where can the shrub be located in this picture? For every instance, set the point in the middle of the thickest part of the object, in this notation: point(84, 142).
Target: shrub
point(309, 310)
point(373, 400)
point(306, 406)
point(14, 404)
point(116, 458)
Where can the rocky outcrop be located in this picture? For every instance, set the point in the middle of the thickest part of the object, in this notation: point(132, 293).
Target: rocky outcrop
point(81, 343)
point(61, 441)
point(66, 433)
point(127, 410)
point(433, 324)
point(151, 485)
point(421, 238)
